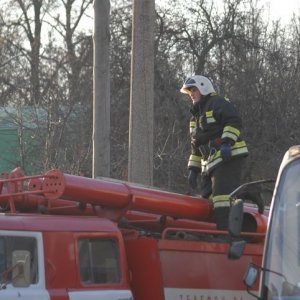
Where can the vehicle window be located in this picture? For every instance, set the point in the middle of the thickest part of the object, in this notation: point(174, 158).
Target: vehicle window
point(10, 244)
point(99, 260)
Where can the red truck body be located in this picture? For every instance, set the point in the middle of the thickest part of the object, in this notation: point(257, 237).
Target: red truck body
point(82, 238)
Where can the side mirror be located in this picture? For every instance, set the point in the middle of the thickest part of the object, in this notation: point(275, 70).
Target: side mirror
point(236, 249)
point(250, 278)
point(236, 214)
point(21, 268)
point(251, 275)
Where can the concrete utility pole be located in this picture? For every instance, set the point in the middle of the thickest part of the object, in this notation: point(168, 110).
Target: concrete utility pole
point(140, 164)
point(101, 101)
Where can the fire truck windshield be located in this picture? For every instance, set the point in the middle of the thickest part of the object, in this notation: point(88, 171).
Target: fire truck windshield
point(281, 276)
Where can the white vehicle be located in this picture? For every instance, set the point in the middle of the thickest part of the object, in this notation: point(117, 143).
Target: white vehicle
point(280, 270)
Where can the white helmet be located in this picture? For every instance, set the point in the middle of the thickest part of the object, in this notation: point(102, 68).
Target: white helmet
point(203, 84)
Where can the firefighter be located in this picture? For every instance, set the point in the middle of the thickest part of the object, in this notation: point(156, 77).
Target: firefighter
point(217, 150)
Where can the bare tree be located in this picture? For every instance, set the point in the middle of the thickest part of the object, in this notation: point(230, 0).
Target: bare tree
point(121, 24)
point(255, 63)
point(74, 99)
point(60, 79)
point(34, 38)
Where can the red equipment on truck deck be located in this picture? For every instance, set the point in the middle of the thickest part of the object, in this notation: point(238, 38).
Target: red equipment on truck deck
point(111, 195)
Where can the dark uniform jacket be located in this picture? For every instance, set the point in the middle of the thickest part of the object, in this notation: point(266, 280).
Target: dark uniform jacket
point(214, 121)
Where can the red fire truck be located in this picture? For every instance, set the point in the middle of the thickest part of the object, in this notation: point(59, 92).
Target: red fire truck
point(71, 237)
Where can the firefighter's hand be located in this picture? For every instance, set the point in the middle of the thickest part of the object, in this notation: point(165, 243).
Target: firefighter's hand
point(225, 152)
point(192, 178)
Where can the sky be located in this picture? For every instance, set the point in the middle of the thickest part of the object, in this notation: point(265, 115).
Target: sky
point(283, 9)
point(279, 9)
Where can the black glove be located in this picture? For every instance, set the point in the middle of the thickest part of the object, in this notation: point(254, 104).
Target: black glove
point(225, 152)
point(192, 178)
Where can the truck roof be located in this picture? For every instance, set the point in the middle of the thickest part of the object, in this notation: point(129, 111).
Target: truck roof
point(33, 222)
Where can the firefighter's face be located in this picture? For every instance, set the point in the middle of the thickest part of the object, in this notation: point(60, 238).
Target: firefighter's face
point(194, 94)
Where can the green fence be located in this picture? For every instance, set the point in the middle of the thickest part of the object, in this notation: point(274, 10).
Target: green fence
point(12, 122)
point(9, 149)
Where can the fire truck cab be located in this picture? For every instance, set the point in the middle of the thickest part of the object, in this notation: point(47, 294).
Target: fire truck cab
point(57, 257)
